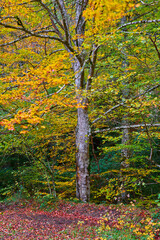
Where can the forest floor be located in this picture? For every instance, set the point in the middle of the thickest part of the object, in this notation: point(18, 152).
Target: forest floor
point(68, 220)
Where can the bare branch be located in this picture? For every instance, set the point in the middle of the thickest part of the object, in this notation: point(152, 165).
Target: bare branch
point(57, 91)
point(79, 17)
point(9, 88)
point(34, 34)
point(155, 46)
point(61, 89)
point(11, 26)
point(92, 67)
point(55, 51)
point(128, 127)
point(14, 41)
point(51, 94)
point(149, 4)
point(52, 18)
point(64, 15)
point(139, 22)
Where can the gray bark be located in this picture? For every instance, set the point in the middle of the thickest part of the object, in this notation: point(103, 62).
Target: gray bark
point(125, 140)
point(82, 130)
point(126, 91)
point(82, 156)
point(82, 138)
point(125, 153)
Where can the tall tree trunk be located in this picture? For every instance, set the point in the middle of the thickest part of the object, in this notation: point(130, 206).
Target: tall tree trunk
point(82, 130)
point(82, 156)
point(125, 153)
point(82, 138)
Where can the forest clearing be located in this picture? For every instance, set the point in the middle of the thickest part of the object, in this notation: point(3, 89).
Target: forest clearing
point(68, 220)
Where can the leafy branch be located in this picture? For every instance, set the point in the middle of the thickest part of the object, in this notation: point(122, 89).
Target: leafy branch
point(123, 103)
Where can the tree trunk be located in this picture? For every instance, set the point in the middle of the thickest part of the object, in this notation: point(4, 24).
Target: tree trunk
point(82, 138)
point(82, 130)
point(125, 153)
point(82, 156)
point(125, 140)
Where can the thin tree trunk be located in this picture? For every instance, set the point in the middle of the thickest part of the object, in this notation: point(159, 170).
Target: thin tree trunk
point(125, 153)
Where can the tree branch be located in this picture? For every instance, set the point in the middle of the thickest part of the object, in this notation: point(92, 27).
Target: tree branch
point(9, 88)
point(128, 127)
point(139, 22)
point(14, 41)
point(52, 18)
point(149, 4)
point(64, 15)
point(92, 67)
point(34, 34)
point(155, 46)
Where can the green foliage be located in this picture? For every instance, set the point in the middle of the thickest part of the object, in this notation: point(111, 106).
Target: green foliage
point(158, 200)
point(46, 201)
point(116, 234)
point(139, 180)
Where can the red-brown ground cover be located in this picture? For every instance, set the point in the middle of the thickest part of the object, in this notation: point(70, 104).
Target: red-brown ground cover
point(20, 221)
